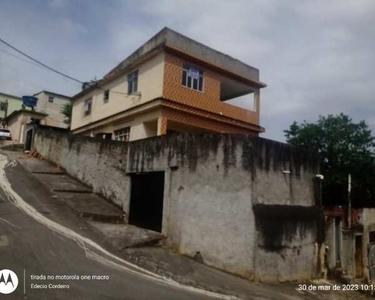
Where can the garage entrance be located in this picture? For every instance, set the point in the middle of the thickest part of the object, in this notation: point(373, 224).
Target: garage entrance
point(146, 200)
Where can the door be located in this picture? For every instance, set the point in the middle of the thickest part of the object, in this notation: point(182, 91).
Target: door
point(338, 239)
point(358, 257)
point(29, 137)
point(371, 256)
point(146, 200)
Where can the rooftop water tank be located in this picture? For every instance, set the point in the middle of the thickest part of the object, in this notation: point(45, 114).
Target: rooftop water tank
point(29, 101)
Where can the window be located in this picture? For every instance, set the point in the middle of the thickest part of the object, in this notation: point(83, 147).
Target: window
point(104, 136)
point(123, 134)
point(133, 82)
point(192, 78)
point(106, 96)
point(35, 121)
point(87, 107)
point(2, 105)
point(50, 98)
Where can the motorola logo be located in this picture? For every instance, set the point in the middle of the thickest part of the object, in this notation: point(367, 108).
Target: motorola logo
point(8, 281)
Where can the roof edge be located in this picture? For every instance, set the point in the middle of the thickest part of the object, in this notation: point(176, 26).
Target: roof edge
point(53, 93)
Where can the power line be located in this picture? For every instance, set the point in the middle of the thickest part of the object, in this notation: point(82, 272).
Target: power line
point(39, 63)
point(24, 60)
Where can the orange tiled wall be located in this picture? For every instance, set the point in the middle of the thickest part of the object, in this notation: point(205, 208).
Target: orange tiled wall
point(208, 100)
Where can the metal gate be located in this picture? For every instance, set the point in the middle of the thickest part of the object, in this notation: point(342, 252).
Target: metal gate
point(371, 261)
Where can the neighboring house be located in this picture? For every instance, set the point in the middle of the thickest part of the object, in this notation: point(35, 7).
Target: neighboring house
point(17, 123)
point(350, 238)
point(170, 84)
point(47, 113)
point(8, 104)
point(51, 104)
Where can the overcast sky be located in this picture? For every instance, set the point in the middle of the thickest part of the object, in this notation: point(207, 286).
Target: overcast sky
point(317, 57)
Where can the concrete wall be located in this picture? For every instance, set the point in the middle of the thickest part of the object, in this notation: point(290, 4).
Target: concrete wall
point(348, 251)
point(368, 221)
point(224, 196)
point(330, 242)
point(150, 86)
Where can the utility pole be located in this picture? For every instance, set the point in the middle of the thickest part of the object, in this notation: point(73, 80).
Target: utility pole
point(349, 201)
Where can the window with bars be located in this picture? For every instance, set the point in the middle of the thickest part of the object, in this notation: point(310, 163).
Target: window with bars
point(123, 134)
point(133, 82)
point(192, 77)
point(87, 106)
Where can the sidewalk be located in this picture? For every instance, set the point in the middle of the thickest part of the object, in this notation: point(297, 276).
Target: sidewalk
point(71, 204)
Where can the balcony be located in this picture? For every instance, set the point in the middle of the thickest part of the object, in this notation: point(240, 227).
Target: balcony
point(239, 94)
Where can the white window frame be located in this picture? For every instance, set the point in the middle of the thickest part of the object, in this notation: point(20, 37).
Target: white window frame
point(123, 134)
point(133, 82)
point(87, 106)
point(191, 73)
point(51, 98)
point(106, 96)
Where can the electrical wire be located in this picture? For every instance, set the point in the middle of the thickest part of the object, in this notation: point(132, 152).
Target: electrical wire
point(39, 64)
point(20, 58)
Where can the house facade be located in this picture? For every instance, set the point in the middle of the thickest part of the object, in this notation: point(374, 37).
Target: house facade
point(170, 84)
point(8, 104)
point(350, 240)
point(47, 113)
point(18, 120)
point(51, 104)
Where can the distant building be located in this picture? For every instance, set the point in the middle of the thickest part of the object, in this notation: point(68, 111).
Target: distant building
point(8, 104)
point(51, 104)
point(170, 84)
point(18, 120)
point(46, 113)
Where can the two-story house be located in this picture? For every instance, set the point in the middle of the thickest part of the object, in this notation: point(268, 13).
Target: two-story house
point(170, 84)
point(51, 104)
point(46, 113)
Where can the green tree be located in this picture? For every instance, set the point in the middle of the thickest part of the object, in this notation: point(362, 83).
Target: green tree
point(66, 110)
point(345, 148)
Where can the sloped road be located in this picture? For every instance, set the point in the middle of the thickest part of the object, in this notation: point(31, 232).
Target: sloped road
point(29, 247)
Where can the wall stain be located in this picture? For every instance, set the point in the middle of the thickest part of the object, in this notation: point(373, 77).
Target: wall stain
point(279, 225)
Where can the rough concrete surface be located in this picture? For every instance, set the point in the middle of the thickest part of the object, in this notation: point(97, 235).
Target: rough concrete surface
point(39, 166)
point(124, 236)
point(212, 183)
point(91, 206)
point(62, 183)
point(77, 196)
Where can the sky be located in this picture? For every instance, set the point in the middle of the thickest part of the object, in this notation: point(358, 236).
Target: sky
point(317, 57)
